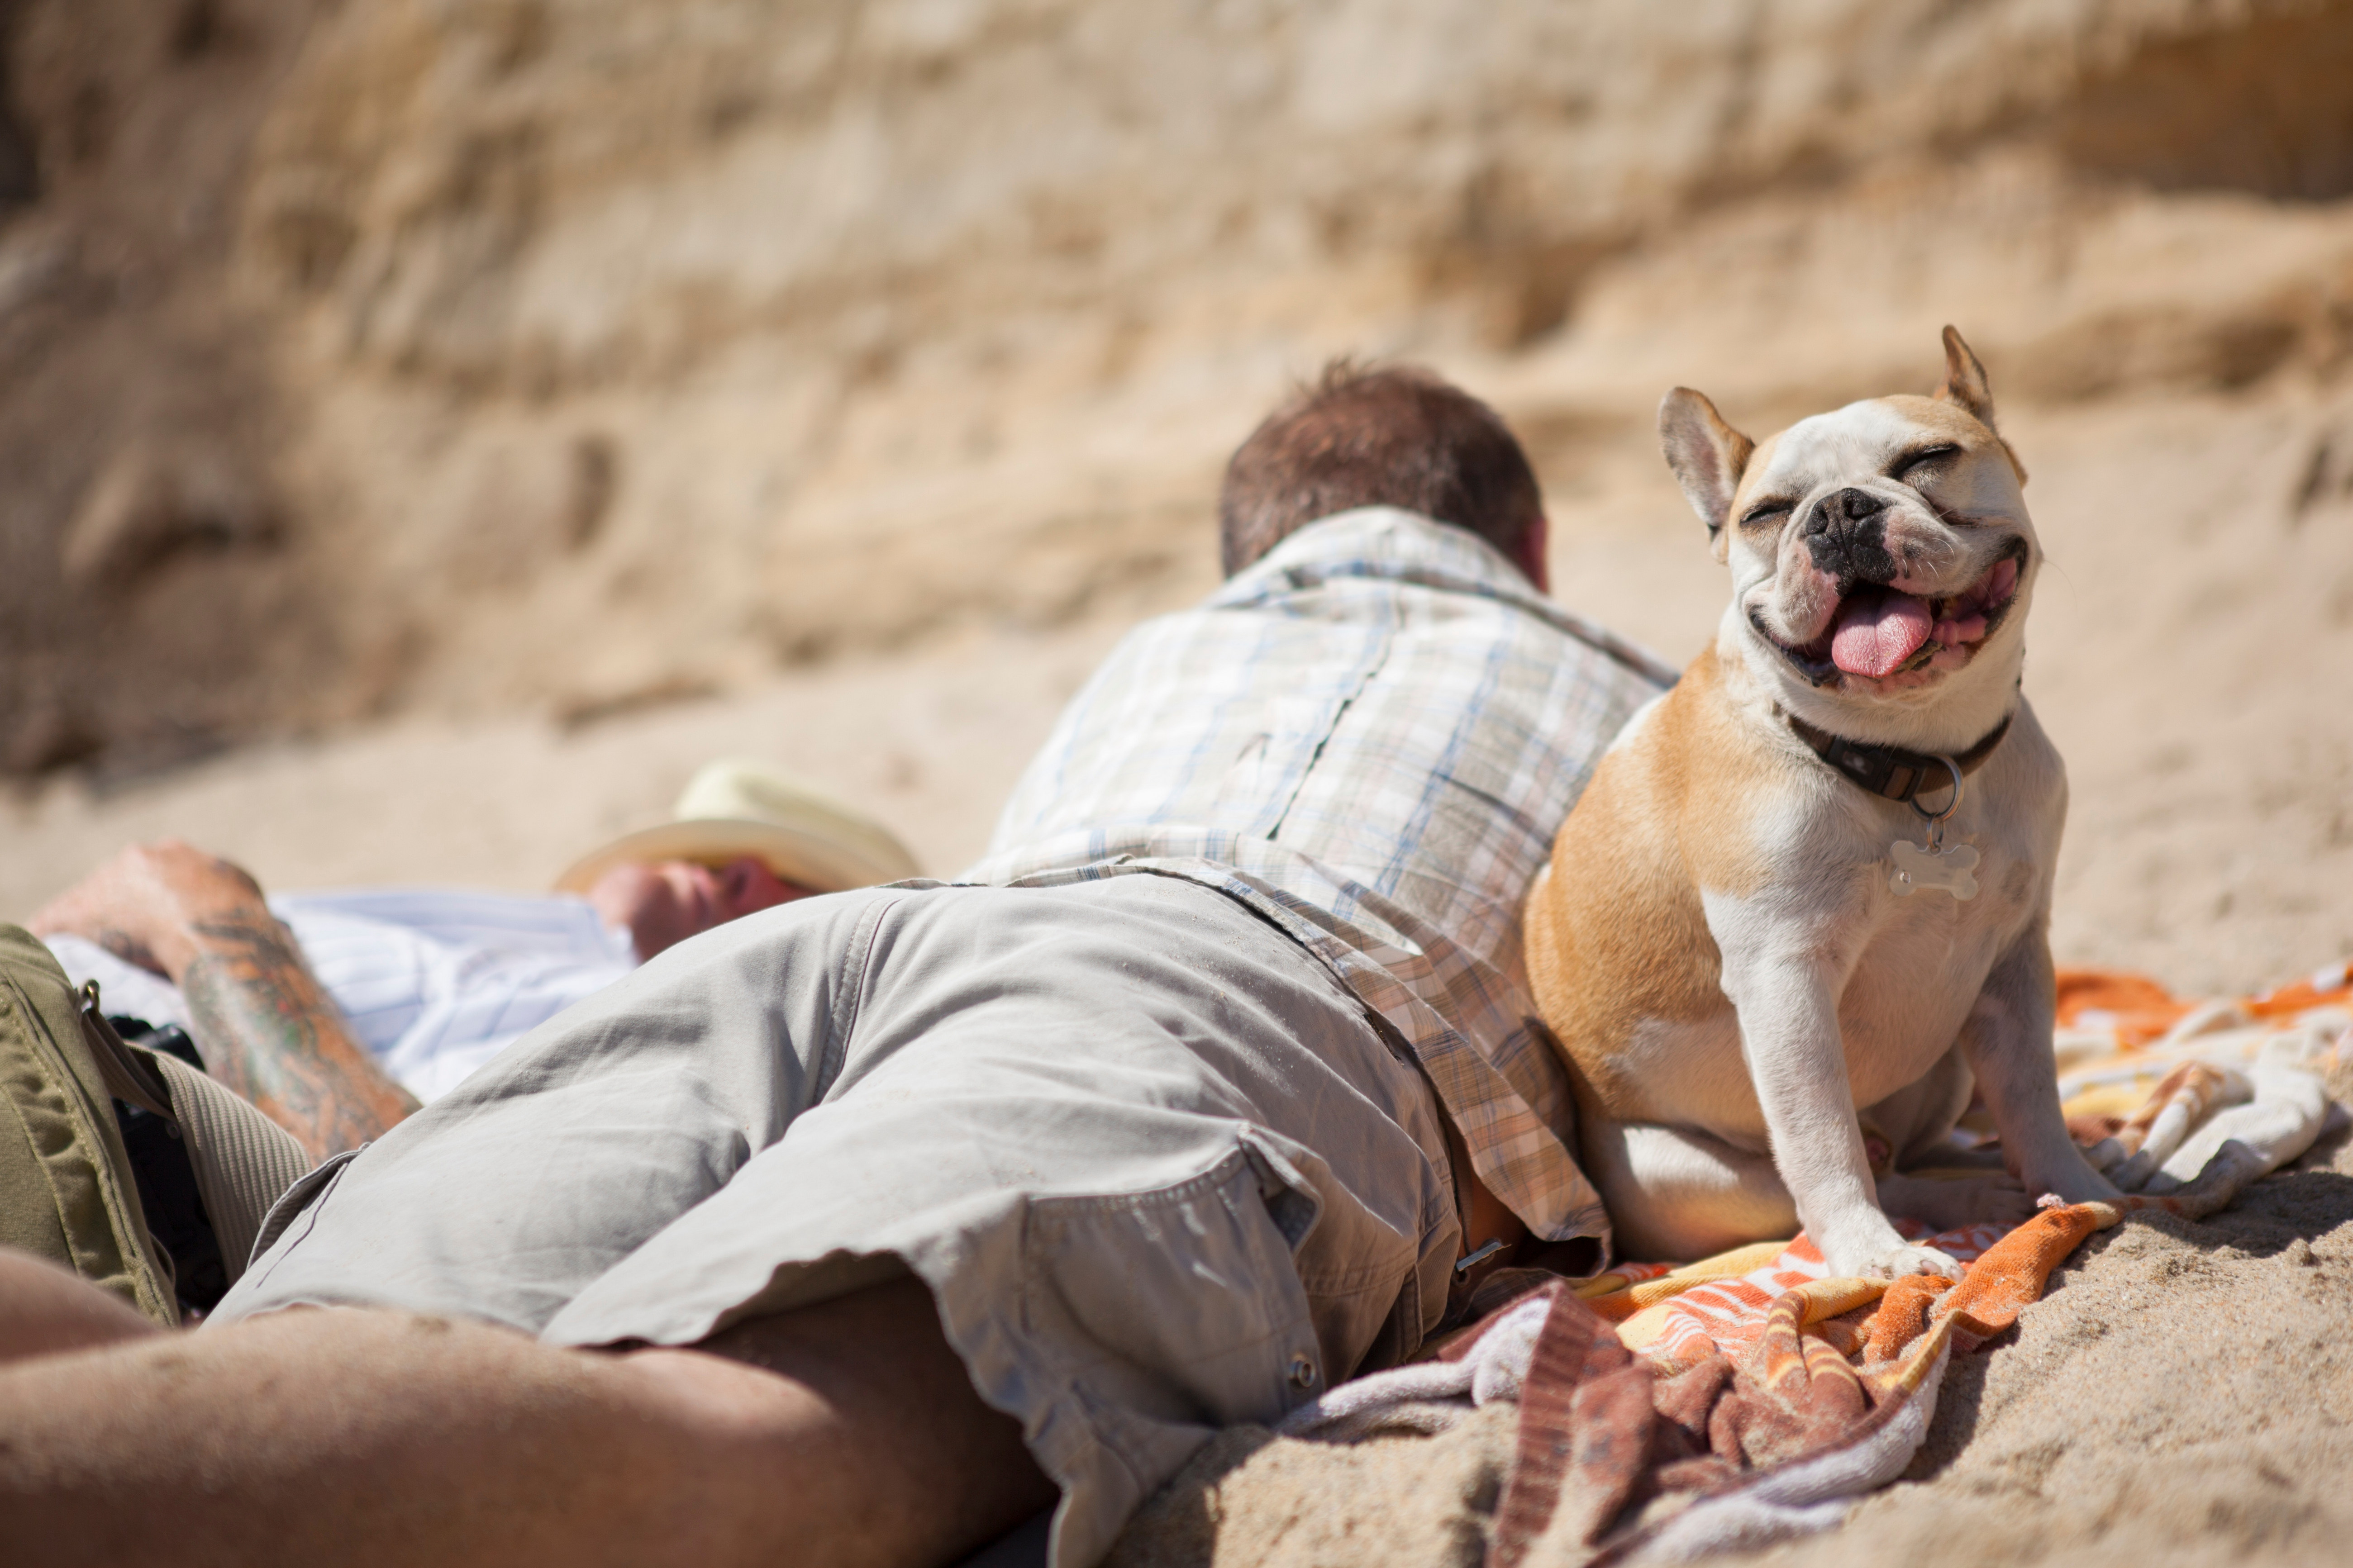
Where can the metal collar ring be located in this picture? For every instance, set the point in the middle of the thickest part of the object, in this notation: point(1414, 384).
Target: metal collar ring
point(1951, 806)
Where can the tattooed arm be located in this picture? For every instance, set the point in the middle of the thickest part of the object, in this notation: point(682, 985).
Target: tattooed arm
point(267, 1031)
point(264, 1026)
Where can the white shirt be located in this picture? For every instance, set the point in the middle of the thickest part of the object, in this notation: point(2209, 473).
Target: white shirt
point(433, 980)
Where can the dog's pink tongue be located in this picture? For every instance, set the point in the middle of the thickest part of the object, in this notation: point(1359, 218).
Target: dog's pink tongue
point(1876, 635)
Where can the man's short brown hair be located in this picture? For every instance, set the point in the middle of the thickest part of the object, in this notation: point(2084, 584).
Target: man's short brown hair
point(1386, 436)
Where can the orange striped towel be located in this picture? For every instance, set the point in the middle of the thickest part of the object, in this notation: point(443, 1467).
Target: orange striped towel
point(2120, 1034)
point(1828, 1399)
point(1705, 1308)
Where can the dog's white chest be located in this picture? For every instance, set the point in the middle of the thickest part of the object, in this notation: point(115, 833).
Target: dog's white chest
point(1921, 869)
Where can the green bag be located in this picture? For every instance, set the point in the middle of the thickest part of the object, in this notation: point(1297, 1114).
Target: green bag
point(68, 1192)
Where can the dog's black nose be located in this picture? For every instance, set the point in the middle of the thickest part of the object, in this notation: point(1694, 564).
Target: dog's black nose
point(1846, 533)
point(1848, 506)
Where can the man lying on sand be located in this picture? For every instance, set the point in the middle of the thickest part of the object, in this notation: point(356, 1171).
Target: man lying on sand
point(857, 1230)
point(338, 1013)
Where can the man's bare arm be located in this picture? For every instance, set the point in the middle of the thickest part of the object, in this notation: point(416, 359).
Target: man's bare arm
point(268, 1032)
point(261, 1019)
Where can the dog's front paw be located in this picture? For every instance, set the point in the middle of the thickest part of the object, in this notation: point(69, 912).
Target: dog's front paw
point(1895, 1262)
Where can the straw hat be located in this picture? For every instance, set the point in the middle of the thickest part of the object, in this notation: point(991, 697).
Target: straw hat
point(731, 808)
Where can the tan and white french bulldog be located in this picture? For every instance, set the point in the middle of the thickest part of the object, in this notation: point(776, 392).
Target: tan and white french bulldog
point(1759, 955)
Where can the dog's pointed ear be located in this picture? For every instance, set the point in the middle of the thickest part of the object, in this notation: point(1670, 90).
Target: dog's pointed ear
point(1707, 454)
point(1965, 380)
point(1965, 386)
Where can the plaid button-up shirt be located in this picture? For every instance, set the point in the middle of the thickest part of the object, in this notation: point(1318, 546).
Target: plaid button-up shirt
point(1370, 736)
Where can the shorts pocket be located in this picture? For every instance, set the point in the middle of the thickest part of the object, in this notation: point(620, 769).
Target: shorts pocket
point(1179, 1311)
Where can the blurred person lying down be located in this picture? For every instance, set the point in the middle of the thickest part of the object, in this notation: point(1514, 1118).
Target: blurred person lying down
point(339, 1012)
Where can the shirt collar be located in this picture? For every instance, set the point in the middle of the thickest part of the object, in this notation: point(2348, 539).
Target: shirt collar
point(1382, 541)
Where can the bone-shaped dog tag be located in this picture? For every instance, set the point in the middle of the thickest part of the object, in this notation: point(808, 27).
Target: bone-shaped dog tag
point(1919, 869)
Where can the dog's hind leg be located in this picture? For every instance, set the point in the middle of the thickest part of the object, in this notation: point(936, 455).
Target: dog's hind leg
point(1917, 1117)
point(1948, 1203)
point(1676, 1194)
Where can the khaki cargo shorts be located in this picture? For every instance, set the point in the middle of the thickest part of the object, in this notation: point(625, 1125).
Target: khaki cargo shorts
point(1158, 1170)
point(69, 1186)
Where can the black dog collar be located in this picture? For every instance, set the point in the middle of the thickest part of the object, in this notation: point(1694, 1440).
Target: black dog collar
point(1890, 772)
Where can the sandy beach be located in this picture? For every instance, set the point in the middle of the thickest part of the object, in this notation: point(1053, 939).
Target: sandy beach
point(434, 431)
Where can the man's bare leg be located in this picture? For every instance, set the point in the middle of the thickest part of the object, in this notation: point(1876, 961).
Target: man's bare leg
point(48, 1311)
point(846, 1433)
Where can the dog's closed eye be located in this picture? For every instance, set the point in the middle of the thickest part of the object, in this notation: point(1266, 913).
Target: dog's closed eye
point(1921, 461)
point(1765, 511)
